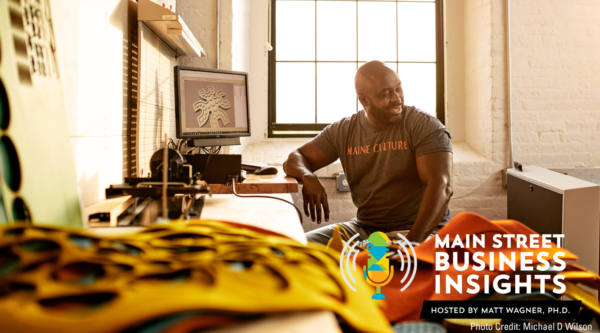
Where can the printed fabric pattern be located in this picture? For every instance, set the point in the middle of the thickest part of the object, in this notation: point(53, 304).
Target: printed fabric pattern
point(169, 278)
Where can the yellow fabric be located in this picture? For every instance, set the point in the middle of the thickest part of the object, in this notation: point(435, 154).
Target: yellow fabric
point(575, 275)
point(337, 242)
point(164, 270)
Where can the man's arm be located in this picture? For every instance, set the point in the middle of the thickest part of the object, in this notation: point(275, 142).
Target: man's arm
point(435, 172)
point(301, 164)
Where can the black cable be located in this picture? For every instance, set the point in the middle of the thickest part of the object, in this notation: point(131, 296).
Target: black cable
point(267, 197)
point(207, 160)
point(212, 150)
point(180, 143)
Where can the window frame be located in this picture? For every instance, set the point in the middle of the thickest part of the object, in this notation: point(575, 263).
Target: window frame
point(311, 130)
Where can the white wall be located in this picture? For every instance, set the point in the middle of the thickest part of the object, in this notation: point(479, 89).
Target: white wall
point(240, 41)
point(90, 57)
point(259, 68)
point(478, 79)
point(454, 17)
point(201, 17)
point(556, 92)
point(481, 157)
point(556, 82)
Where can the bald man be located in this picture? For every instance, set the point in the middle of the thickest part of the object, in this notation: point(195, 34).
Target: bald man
point(397, 160)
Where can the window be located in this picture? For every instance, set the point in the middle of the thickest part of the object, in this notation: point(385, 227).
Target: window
point(318, 45)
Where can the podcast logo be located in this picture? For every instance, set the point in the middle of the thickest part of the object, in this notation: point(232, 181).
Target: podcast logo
point(378, 271)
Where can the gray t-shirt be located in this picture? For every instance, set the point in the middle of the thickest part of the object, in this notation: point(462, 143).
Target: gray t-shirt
point(380, 164)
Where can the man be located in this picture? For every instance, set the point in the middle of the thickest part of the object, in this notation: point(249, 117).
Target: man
point(397, 160)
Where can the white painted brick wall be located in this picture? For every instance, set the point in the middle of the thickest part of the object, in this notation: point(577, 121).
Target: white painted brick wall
point(201, 17)
point(556, 85)
point(478, 161)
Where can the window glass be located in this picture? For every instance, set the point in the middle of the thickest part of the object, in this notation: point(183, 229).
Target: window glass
point(320, 44)
point(336, 97)
point(416, 31)
point(377, 31)
point(295, 26)
point(336, 30)
point(295, 92)
point(418, 84)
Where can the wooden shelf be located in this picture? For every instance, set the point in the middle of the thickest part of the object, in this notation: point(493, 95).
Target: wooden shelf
point(169, 27)
point(260, 184)
point(111, 207)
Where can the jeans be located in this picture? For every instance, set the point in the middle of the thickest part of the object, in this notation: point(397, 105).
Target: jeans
point(324, 234)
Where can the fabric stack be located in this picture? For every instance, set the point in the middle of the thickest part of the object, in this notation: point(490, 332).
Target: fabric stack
point(169, 278)
point(405, 306)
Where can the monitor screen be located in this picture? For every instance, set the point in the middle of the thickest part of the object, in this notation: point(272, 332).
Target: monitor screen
point(211, 103)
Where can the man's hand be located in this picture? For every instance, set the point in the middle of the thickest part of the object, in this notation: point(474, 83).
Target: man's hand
point(301, 164)
point(314, 196)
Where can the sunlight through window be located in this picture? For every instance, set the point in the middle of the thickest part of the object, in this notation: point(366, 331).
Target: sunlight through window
point(319, 45)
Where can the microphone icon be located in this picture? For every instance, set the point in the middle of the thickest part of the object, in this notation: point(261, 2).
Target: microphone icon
point(378, 274)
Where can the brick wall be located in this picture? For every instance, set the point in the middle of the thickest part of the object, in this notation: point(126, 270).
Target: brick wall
point(556, 82)
point(201, 17)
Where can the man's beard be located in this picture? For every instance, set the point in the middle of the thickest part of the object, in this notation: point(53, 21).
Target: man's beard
point(384, 116)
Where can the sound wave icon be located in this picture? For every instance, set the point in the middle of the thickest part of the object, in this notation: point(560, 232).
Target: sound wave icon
point(408, 265)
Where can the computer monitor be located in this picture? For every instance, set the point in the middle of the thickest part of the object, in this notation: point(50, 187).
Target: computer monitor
point(211, 106)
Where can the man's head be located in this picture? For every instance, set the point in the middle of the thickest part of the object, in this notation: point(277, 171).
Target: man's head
point(379, 91)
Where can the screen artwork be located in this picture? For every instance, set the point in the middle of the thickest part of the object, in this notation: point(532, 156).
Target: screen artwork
point(214, 109)
point(210, 106)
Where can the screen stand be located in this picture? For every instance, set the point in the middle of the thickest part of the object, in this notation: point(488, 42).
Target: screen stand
point(215, 142)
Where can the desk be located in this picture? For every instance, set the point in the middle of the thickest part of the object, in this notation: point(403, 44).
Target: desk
point(268, 214)
point(279, 183)
point(264, 213)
